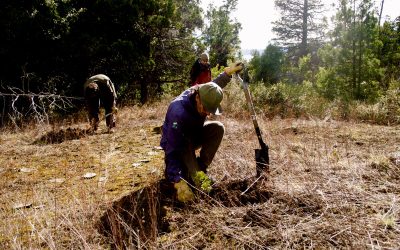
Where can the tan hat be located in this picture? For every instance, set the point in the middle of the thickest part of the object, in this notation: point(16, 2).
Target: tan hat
point(211, 96)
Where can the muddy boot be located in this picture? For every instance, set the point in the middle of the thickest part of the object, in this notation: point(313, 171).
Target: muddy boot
point(110, 121)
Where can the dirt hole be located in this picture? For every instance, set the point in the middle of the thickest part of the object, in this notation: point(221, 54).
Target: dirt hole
point(59, 136)
point(141, 215)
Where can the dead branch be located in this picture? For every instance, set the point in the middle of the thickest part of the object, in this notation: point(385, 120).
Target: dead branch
point(38, 106)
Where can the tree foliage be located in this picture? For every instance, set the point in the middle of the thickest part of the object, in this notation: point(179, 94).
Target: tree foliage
point(390, 51)
point(301, 25)
point(267, 67)
point(55, 45)
point(221, 34)
point(352, 58)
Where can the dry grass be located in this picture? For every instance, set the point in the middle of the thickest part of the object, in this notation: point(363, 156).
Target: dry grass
point(332, 185)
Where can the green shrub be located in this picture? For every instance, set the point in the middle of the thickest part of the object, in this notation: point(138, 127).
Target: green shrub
point(173, 89)
point(385, 111)
point(290, 100)
point(304, 100)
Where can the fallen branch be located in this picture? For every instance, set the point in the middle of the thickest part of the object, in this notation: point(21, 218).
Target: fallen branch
point(40, 105)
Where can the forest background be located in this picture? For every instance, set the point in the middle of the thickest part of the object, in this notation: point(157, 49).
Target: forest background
point(346, 70)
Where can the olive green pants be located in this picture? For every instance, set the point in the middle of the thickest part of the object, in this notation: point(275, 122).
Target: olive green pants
point(211, 137)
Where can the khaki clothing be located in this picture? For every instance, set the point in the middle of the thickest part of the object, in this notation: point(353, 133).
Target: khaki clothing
point(99, 91)
point(211, 137)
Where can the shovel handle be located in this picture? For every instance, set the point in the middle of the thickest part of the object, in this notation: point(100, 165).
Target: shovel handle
point(251, 108)
point(262, 155)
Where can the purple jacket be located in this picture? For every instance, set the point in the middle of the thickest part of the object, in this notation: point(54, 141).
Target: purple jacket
point(182, 125)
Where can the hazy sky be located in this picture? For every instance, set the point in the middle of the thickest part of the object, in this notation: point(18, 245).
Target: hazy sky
point(256, 17)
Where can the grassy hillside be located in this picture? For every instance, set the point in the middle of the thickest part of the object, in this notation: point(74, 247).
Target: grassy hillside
point(332, 184)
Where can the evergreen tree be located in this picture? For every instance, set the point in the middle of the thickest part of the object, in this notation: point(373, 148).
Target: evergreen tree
point(221, 35)
point(300, 27)
point(267, 67)
point(390, 51)
point(352, 58)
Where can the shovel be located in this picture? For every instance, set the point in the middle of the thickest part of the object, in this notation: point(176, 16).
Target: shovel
point(262, 156)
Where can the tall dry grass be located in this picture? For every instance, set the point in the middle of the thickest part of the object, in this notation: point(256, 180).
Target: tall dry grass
point(333, 184)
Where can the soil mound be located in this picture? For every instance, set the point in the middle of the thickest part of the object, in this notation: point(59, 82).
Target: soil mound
point(140, 217)
point(241, 192)
point(59, 136)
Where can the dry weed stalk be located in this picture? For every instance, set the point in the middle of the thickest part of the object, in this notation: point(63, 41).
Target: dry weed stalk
point(40, 106)
point(332, 185)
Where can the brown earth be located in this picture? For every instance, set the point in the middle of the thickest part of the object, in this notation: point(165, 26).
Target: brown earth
point(331, 185)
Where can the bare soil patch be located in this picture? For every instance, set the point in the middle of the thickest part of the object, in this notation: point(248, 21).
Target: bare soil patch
point(141, 216)
point(61, 135)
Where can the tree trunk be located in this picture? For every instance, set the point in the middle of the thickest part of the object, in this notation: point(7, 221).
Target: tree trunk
point(303, 46)
point(380, 14)
point(143, 92)
point(354, 52)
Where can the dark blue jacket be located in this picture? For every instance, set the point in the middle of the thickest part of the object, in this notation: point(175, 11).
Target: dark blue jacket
point(183, 124)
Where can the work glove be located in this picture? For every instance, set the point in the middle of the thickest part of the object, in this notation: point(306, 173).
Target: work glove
point(183, 191)
point(202, 181)
point(234, 68)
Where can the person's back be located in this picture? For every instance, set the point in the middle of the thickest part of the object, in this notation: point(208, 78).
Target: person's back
point(201, 71)
point(99, 88)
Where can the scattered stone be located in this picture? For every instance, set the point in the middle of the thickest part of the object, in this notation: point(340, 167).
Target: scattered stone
point(136, 164)
point(22, 205)
point(26, 170)
point(144, 160)
point(103, 179)
point(57, 180)
point(152, 153)
point(89, 175)
point(158, 148)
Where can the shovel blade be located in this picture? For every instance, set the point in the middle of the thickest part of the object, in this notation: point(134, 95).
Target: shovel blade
point(262, 160)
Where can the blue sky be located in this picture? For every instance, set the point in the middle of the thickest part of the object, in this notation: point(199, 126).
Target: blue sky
point(256, 17)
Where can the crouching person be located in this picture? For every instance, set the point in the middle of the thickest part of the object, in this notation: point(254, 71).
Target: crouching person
point(185, 130)
point(99, 90)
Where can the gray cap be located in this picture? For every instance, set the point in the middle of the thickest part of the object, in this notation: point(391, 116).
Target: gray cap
point(211, 96)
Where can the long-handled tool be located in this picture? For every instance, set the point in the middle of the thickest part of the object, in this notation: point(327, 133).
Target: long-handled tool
point(262, 156)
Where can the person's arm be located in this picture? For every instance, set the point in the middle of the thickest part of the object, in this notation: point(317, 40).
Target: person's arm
point(112, 87)
point(224, 78)
point(175, 144)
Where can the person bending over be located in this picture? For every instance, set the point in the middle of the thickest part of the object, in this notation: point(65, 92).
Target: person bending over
point(100, 90)
point(186, 129)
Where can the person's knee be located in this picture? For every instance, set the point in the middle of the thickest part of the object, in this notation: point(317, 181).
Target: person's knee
point(220, 127)
point(216, 128)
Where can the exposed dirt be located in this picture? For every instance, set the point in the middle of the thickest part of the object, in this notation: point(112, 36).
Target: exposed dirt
point(61, 135)
point(143, 213)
